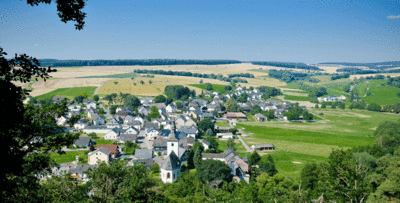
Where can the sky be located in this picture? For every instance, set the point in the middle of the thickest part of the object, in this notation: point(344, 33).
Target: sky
point(309, 31)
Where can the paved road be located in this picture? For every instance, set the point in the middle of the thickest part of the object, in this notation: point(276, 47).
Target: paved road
point(241, 139)
point(95, 92)
point(107, 112)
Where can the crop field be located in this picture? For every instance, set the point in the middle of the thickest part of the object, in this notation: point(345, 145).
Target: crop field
point(121, 75)
point(296, 98)
point(69, 156)
point(68, 92)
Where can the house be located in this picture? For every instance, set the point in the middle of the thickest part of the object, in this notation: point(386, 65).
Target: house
point(91, 112)
point(99, 155)
point(170, 168)
point(78, 172)
point(224, 135)
point(145, 110)
point(262, 147)
point(123, 111)
point(81, 124)
point(82, 142)
point(57, 99)
point(207, 115)
point(213, 107)
point(342, 98)
point(113, 134)
point(62, 121)
point(97, 120)
point(115, 122)
point(74, 108)
point(149, 125)
point(146, 162)
point(151, 133)
point(146, 100)
point(235, 115)
point(87, 101)
point(190, 131)
point(72, 113)
point(171, 108)
point(140, 119)
point(260, 117)
point(187, 142)
point(141, 154)
point(91, 105)
point(114, 149)
point(123, 138)
point(205, 143)
point(160, 145)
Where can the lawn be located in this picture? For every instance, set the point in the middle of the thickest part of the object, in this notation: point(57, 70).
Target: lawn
point(239, 147)
point(251, 118)
point(68, 92)
point(216, 87)
point(222, 124)
point(102, 141)
point(70, 156)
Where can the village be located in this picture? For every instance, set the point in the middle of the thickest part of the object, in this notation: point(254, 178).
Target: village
point(167, 140)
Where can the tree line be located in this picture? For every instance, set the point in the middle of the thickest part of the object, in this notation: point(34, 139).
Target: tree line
point(286, 65)
point(132, 62)
point(198, 75)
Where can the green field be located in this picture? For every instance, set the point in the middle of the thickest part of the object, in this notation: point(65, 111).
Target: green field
point(295, 98)
point(69, 156)
point(312, 142)
point(216, 87)
point(68, 92)
point(222, 124)
point(121, 75)
point(239, 147)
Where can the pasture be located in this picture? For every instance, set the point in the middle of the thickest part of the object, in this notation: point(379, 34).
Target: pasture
point(69, 156)
point(68, 92)
point(216, 87)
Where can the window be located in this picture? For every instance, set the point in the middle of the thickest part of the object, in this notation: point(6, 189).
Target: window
point(168, 175)
point(174, 175)
point(172, 144)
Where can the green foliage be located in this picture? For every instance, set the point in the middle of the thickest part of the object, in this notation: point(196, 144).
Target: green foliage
point(160, 99)
point(254, 158)
point(232, 106)
point(213, 143)
point(155, 168)
point(84, 94)
point(268, 166)
point(209, 132)
point(73, 120)
point(243, 98)
point(230, 143)
point(62, 188)
point(210, 170)
point(132, 102)
point(208, 86)
point(178, 92)
point(71, 92)
point(96, 98)
point(154, 113)
point(116, 182)
point(113, 109)
point(197, 158)
point(206, 124)
point(93, 136)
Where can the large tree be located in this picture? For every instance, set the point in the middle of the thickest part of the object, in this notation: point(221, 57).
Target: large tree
point(132, 102)
point(206, 124)
point(210, 170)
point(31, 129)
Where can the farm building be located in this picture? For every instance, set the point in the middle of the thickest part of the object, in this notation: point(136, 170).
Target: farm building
point(235, 115)
point(262, 147)
point(260, 117)
point(224, 135)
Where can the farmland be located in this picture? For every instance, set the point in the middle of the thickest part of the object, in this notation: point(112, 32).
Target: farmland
point(68, 92)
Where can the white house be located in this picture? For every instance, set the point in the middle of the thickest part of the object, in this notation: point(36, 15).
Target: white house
point(132, 130)
point(99, 155)
point(81, 124)
point(74, 108)
point(205, 143)
point(115, 122)
point(112, 134)
point(91, 105)
point(171, 108)
point(151, 133)
point(97, 120)
point(224, 135)
point(61, 121)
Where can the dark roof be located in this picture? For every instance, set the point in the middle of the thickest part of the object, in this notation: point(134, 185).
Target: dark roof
point(151, 125)
point(158, 160)
point(143, 154)
point(85, 101)
point(128, 137)
point(82, 141)
point(228, 151)
point(147, 162)
point(80, 168)
point(171, 162)
point(212, 155)
point(208, 115)
point(204, 141)
point(113, 148)
point(263, 145)
point(57, 98)
point(160, 143)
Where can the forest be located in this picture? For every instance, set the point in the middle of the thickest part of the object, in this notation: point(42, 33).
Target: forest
point(198, 75)
point(376, 66)
point(131, 62)
point(286, 65)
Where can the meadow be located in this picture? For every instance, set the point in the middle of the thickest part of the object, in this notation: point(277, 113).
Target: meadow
point(216, 87)
point(70, 156)
point(296, 98)
point(68, 92)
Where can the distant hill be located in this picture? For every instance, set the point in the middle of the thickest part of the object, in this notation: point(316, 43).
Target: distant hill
point(131, 62)
point(376, 66)
point(286, 65)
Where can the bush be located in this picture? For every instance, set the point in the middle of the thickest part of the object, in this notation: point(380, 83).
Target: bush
point(155, 168)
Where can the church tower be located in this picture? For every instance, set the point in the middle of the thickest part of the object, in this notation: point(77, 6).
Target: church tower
point(172, 141)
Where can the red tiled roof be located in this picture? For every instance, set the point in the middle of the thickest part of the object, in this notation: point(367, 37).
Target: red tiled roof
point(113, 148)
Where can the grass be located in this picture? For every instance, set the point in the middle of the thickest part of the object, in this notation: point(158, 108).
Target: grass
point(251, 117)
point(290, 163)
point(68, 92)
point(121, 75)
point(222, 124)
point(290, 86)
point(69, 156)
point(295, 98)
point(216, 87)
point(239, 146)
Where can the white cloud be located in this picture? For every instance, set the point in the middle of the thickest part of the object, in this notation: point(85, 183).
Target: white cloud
point(394, 17)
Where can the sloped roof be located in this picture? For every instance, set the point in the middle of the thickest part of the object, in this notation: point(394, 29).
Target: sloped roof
point(101, 149)
point(143, 154)
point(160, 143)
point(127, 137)
point(171, 162)
point(113, 148)
point(82, 141)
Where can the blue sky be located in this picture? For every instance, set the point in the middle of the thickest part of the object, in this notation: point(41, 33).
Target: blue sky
point(309, 31)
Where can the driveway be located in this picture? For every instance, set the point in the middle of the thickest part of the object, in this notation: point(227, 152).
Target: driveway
point(107, 112)
point(241, 139)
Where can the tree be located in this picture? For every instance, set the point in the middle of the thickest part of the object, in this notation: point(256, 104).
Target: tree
point(197, 158)
point(62, 188)
point(206, 124)
point(96, 98)
point(178, 105)
point(307, 116)
point(109, 98)
point(150, 82)
point(160, 99)
point(232, 106)
point(228, 88)
point(132, 102)
point(154, 113)
point(73, 120)
point(316, 106)
point(155, 168)
point(230, 143)
point(209, 133)
point(268, 167)
point(93, 136)
point(254, 158)
point(117, 183)
point(201, 81)
point(84, 94)
point(213, 142)
point(270, 114)
point(79, 99)
point(208, 86)
point(210, 170)
point(101, 111)
point(115, 82)
point(323, 105)
point(113, 109)
point(142, 82)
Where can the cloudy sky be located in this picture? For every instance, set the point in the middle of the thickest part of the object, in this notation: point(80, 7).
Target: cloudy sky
point(309, 31)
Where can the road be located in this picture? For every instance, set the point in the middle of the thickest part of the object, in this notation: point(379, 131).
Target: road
point(95, 92)
point(107, 112)
point(241, 139)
